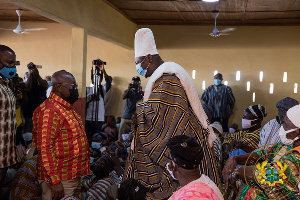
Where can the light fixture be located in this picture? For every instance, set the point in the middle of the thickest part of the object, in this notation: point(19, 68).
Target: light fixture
point(215, 72)
point(253, 97)
point(284, 77)
point(248, 86)
point(261, 76)
point(194, 74)
point(271, 88)
point(238, 76)
point(225, 82)
point(296, 88)
point(203, 85)
point(210, 0)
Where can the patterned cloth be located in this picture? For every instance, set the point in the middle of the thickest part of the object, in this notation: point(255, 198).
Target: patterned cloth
point(25, 185)
point(286, 191)
point(167, 113)
point(8, 125)
point(220, 98)
point(97, 190)
point(250, 139)
point(59, 135)
point(269, 134)
point(202, 188)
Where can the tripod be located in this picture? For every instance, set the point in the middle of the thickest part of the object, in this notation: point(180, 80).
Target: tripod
point(94, 99)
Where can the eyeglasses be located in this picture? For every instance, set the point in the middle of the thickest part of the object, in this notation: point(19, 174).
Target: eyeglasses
point(73, 86)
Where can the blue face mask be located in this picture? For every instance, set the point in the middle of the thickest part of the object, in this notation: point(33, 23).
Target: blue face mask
point(92, 160)
point(118, 125)
point(49, 83)
point(141, 70)
point(8, 72)
point(96, 145)
point(217, 81)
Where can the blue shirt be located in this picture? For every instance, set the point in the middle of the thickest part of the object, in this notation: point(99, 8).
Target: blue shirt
point(130, 104)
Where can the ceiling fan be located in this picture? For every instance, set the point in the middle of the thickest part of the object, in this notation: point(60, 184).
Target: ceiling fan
point(215, 32)
point(19, 29)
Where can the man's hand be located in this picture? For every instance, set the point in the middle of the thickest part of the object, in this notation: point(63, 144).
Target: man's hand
point(101, 67)
point(230, 165)
point(57, 191)
point(34, 72)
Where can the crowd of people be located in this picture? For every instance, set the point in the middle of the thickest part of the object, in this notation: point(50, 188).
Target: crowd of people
point(166, 145)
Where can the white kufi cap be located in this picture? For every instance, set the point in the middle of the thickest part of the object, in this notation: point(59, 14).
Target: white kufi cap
point(144, 43)
point(294, 115)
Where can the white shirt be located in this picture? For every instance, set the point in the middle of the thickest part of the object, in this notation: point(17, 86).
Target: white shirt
point(48, 91)
point(92, 106)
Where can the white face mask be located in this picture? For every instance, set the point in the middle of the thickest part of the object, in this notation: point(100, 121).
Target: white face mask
point(246, 123)
point(171, 172)
point(231, 130)
point(284, 140)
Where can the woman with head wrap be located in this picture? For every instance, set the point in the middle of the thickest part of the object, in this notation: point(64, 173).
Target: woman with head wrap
point(275, 174)
point(248, 138)
point(186, 155)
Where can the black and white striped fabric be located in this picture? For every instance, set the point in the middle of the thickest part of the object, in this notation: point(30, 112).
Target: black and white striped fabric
point(167, 113)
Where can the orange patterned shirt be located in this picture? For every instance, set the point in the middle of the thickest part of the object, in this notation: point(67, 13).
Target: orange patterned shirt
point(58, 133)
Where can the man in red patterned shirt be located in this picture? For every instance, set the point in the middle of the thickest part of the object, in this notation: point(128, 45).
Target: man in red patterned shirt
point(58, 133)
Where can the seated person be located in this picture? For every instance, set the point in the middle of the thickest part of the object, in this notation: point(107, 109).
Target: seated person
point(98, 184)
point(131, 189)
point(248, 138)
point(276, 176)
point(25, 185)
point(218, 130)
point(186, 156)
point(233, 128)
point(269, 136)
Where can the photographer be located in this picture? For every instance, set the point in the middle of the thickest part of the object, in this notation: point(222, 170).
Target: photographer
point(36, 91)
point(95, 99)
point(132, 95)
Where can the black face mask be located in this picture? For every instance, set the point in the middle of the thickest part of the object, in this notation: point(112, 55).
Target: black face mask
point(73, 96)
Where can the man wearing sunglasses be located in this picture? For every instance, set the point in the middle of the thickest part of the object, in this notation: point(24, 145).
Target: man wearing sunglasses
point(58, 133)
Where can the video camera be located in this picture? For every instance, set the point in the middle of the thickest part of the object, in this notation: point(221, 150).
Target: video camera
point(98, 62)
point(31, 65)
point(131, 85)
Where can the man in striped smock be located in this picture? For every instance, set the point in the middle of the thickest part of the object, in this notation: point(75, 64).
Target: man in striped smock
point(8, 120)
point(171, 107)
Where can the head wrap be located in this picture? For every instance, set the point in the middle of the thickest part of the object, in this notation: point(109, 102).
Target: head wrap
point(218, 126)
point(185, 151)
point(258, 111)
point(294, 115)
point(144, 43)
point(285, 104)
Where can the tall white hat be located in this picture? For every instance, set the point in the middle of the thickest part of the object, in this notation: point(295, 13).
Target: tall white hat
point(144, 43)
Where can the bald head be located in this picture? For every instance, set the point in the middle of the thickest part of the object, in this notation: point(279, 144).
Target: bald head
point(64, 85)
point(62, 76)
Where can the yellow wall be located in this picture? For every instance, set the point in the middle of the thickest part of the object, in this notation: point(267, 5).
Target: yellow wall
point(249, 49)
point(50, 48)
point(273, 50)
point(95, 16)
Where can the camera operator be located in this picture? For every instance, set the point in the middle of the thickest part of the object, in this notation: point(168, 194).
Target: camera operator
point(95, 99)
point(132, 95)
point(36, 92)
